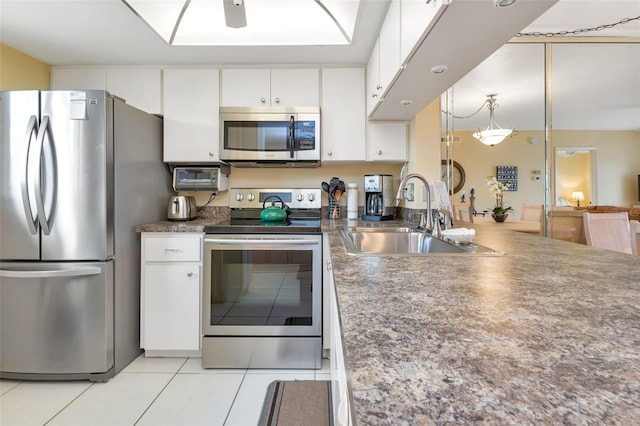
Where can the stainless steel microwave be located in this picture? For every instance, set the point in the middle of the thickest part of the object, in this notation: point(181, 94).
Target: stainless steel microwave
point(270, 137)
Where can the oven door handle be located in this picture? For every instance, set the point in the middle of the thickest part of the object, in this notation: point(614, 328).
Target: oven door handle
point(234, 241)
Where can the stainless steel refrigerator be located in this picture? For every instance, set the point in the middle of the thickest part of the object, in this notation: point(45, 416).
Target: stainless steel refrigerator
point(79, 170)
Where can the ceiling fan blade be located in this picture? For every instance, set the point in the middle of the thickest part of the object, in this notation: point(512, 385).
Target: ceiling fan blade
point(234, 13)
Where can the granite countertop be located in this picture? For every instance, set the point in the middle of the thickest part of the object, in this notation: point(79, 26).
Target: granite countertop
point(547, 334)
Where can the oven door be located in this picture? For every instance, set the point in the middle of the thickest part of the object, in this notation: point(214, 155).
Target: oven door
point(255, 136)
point(262, 285)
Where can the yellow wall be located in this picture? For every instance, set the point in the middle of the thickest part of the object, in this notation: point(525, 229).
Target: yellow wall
point(574, 174)
point(21, 72)
point(302, 178)
point(617, 159)
point(480, 161)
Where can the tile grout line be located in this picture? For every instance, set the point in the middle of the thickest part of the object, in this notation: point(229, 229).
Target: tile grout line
point(69, 404)
point(160, 393)
point(235, 397)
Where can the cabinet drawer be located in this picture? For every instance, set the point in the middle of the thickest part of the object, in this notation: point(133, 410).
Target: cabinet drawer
point(172, 249)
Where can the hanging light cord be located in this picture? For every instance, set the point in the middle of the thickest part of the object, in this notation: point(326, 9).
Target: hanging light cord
point(579, 30)
point(460, 117)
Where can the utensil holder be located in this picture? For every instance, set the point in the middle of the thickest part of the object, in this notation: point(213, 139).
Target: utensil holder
point(334, 208)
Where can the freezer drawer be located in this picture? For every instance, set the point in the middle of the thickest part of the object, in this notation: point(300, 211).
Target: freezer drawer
point(56, 319)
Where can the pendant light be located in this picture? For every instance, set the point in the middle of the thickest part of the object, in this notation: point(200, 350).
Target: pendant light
point(492, 134)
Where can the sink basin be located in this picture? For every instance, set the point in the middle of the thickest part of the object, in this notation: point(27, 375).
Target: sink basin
point(406, 241)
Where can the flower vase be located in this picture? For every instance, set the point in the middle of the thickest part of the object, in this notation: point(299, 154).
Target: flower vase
point(500, 217)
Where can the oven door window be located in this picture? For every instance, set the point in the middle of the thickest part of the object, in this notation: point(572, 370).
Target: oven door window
point(261, 287)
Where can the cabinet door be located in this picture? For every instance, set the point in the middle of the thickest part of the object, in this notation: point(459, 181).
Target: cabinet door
point(417, 17)
point(171, 306)
point(191, 115)
point(390, 46)
point(372, 87)
point(78, 79)
point(295, 87)
point(386, 141)
point(339, 382)
point(245, 87)
point(139, 87)
point(343, 114)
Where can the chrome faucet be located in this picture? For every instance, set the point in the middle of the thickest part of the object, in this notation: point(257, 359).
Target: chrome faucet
point(427, 224)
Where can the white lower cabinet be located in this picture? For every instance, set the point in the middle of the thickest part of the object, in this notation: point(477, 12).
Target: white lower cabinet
point(171, 288)
point(340, 404)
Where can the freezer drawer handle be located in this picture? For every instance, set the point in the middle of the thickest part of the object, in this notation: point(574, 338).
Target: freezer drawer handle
point(32, 128)
point(79, 272)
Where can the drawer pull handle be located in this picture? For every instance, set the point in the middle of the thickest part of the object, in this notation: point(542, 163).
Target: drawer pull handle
point(173, 250)
point(190, 274)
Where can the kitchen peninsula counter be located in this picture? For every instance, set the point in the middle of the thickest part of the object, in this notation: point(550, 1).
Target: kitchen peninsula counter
point(547, 334)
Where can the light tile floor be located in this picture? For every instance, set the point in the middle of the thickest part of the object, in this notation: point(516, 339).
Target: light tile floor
point(149, 391)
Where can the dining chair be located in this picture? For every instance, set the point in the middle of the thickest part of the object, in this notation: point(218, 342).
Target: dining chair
point(609, 231)
point(462, 211)
point(532, 212)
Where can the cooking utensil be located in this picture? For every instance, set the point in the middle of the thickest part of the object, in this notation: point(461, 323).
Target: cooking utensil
point(333, 185)
point(273, 213)
point(338, 195)
point(325, 186)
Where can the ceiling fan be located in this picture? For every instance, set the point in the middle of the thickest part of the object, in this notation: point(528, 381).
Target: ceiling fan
point(234, 13)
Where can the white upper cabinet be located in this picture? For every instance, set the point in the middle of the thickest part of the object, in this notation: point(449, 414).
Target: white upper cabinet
point(343, 114)
point(372, 87)
point(384, 62)
point(387, 142)
point(390, 46)
point(191, 115)
point(139, 87)
point(270, 87)
point(417, 18)
point(81, 78)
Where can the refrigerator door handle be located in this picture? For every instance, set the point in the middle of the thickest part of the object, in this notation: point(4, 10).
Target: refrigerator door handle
point(56, 273)
point(32, 127)
point(45, 223)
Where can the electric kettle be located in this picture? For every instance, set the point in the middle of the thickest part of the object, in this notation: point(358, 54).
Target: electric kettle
point(182, 207)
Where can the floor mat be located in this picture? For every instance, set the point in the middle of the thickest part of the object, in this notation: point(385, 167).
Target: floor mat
point(297, 402)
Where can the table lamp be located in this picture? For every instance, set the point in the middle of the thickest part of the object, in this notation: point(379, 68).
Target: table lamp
point(578, 196)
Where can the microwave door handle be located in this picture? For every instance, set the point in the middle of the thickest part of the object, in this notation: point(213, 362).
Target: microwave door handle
point(292, 140)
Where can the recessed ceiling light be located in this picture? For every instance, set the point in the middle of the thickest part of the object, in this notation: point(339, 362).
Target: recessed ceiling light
point(439, 69)
point(503, 3)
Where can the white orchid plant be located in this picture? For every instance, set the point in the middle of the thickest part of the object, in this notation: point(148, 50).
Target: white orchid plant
point(496, 189)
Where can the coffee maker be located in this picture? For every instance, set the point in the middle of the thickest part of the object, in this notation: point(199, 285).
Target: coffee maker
point(378, 196)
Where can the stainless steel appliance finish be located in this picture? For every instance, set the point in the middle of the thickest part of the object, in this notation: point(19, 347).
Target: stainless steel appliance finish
point(213, 179)
point(379, 197)
point(69, 254)
point(182, 207)
point(262, 304)
point(270, 137)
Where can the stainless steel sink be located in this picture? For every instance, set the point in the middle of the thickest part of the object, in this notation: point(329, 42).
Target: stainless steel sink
point(405, 241)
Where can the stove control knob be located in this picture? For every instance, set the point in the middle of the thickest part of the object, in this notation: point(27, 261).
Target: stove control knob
point(300, 197)
point(239, 197)
point(251, 197)
point(311, 197)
